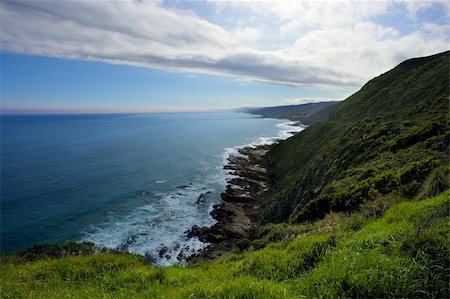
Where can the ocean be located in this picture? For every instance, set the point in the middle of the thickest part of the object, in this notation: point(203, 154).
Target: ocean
point(124, 181)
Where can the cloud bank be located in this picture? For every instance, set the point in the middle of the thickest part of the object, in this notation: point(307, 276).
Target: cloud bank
point(327, 44)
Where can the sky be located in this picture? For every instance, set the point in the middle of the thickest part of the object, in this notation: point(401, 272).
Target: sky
point(162, 56)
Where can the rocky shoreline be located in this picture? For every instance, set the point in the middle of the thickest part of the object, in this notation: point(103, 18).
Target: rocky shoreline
point(246, 191)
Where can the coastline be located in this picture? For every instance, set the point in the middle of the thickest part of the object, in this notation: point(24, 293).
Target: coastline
point(248, 189)
point(245, 191)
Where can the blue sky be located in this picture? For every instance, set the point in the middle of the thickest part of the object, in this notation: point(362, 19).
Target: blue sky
point(120, 56)
point(35, 82)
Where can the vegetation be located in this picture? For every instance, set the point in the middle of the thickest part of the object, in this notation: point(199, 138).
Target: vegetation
point(306, 113)
point(389, 136)
point(363, 199)
point(392, 247)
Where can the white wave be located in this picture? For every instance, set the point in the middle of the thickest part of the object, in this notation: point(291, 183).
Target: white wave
point(286, 129)
point(158, 227)
point(289, 128)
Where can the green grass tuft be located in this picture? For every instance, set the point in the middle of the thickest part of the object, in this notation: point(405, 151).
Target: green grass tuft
point(392, 247)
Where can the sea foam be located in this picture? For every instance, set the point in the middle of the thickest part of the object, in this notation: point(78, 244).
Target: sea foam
point(157, 229)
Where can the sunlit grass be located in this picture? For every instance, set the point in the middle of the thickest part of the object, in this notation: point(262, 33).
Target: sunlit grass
point(402, 252)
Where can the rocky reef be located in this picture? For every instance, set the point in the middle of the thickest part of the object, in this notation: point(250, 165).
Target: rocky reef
point(246, 190)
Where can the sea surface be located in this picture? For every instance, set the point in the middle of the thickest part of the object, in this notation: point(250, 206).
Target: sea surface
point(125, 181)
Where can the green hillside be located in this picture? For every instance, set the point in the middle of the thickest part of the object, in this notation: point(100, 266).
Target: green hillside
point(306, 113)
point(389, 136)
point(362, 205)
point(417, 87)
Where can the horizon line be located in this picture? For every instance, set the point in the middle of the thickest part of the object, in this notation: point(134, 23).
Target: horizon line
point(44, 111)
point(100, 111)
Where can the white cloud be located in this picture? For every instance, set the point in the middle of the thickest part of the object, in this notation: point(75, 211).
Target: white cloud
point(414, 6)
point(330, 44)
point(109, 27)
point(247, 34)
point(306, 100)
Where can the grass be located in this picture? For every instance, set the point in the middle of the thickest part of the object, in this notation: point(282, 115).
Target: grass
point(391, 247)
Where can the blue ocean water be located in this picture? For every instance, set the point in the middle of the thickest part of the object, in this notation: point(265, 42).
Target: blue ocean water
point(128, 181)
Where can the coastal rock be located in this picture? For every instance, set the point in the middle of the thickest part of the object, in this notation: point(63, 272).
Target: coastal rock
point(124, 246)
point(203, 197)
point(237, 159)
point(163, 251)
point(250, 179)
point(232, 223)
point(235, 195)
point(242, 198)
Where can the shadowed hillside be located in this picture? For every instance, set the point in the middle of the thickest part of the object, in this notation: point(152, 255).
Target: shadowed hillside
point(388, 136)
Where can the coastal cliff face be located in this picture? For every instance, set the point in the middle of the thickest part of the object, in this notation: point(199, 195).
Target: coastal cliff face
point(389, 136)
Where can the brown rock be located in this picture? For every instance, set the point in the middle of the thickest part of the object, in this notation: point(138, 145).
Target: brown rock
point(241, 200)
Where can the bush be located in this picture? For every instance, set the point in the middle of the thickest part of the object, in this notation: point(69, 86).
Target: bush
point(437, 182)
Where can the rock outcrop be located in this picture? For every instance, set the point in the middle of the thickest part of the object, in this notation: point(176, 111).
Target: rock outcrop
point(244, 193)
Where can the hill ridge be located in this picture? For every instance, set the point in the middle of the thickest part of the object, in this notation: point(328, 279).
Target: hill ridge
point(395, 125)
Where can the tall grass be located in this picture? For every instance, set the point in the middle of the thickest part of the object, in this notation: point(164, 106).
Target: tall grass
point(401, 251)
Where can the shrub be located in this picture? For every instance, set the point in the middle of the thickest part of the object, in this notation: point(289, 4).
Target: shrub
point(437, 182)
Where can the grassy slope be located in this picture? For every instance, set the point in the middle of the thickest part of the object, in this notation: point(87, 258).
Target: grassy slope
point(402, 252)
point(411, 89)
point(388, 136)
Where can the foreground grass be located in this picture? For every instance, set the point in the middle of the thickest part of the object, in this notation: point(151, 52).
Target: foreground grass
point(387, 249)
